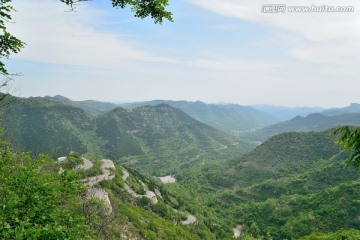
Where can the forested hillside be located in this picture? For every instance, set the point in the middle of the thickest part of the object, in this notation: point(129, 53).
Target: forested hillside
point(313, 122)
point(44, 126)
point(290, 186)
point(47, 199)
point(157, 140)
point(162, 139)
point(267, 154)
point(229, 118)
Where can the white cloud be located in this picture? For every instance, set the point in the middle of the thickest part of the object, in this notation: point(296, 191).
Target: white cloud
point(311, 58)
point(55, 35)
point(326, 38)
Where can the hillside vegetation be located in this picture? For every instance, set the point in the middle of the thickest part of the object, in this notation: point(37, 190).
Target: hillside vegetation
point(312, 122)
point(40, 202)
point(292, 186)
point(287, 188)
point(42, 126)
point(89, 106)
point(229, 118)
point(161, 139)
point(157, 139)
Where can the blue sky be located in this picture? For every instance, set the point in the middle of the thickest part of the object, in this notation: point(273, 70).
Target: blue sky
point(214, 51)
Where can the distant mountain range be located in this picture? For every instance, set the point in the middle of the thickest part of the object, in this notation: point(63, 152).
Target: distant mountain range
point(283, 113)
point(353, 108)
point(162, 137)
point(229, 118)
point(155, 138)
point(312, 122)
point(90, 106)
point(251, 123)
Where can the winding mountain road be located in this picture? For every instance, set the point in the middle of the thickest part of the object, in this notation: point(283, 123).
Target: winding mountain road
point(148, 194)
point(91, 181)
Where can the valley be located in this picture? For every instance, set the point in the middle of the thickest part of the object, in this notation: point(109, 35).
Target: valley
point(179, 120)
point(160, 138)
point(174, 177)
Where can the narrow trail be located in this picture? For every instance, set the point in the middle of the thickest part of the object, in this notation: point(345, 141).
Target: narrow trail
point(91, 181)
point(170, 180)
point(98, 192)
point(106, 174)
point(191, 219)
point(148, 194)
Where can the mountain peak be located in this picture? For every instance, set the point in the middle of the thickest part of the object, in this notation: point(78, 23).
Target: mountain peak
point(60, 97)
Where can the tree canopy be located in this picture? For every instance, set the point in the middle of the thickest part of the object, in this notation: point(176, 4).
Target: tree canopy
point(349, 140)
point(156, 9)
point(8, 43)
point(38, 203)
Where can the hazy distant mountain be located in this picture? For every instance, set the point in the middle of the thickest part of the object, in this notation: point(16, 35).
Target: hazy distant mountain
point(159, 138)
point(283, 113)
point(312, 122)
point(353, 108)
point(90, 106)
point(226, 117)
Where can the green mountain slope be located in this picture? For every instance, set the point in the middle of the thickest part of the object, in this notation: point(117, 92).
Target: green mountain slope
point(280, 156)
point(162, 139)
point(158, 139)
point(312, 122)
point(292, 186)
point(294, 216)
point(45, 126)
point(229, 118)
point(40, 202)
point(288, 187)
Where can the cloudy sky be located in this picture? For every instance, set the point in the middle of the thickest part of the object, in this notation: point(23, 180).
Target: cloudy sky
point(214, 51)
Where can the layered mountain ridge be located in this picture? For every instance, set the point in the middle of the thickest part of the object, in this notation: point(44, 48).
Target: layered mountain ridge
point(149, 137)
